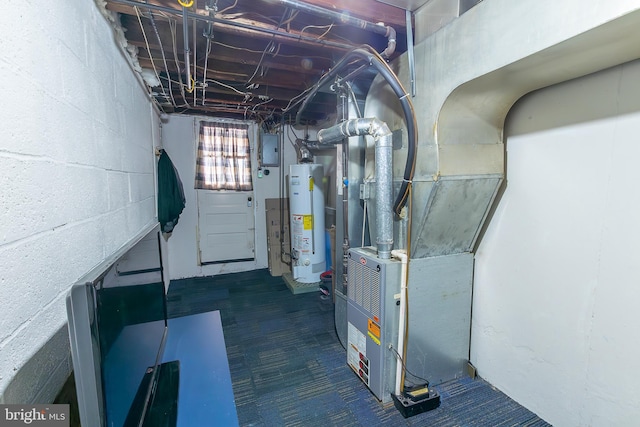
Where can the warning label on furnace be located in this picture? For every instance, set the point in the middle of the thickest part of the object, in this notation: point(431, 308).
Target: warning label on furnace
point(357, 344)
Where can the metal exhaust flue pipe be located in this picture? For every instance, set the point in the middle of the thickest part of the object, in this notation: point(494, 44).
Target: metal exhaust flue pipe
point(384, 173)
point(368, 54)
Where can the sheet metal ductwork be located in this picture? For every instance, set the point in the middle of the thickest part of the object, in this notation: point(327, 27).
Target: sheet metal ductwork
point(383, 159)
point(448, 210)
point(462, 98)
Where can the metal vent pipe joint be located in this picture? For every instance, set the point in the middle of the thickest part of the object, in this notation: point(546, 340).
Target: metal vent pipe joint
point(384, 173)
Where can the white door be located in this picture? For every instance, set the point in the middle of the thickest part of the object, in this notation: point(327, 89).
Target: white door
point(226, 226)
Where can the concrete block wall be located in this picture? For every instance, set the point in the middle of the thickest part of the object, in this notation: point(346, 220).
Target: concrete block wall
point(77, 132)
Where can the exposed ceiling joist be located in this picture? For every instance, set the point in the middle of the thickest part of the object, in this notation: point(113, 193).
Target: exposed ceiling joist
point(248, 59)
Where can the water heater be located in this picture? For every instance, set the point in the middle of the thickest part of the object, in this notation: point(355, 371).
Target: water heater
point(306, 204)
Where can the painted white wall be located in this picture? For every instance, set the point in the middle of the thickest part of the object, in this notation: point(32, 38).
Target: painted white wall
point(179, 135)
point(556, 277)
point(77, 181)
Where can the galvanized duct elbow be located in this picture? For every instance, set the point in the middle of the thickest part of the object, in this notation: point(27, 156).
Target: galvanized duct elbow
point(366, 53)
point(384, 172)
point(302, 151)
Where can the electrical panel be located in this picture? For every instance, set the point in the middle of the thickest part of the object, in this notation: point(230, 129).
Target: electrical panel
point(373, 289)
point(268, 149)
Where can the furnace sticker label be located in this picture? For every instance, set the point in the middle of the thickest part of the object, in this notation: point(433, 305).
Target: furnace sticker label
point(357, 352)
point(374, 328)
point(373, 338)
point(357, 344)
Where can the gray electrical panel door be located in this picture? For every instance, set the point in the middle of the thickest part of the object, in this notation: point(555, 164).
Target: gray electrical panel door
point(268, 149)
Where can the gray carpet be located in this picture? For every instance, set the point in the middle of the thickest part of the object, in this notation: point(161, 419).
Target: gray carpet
point(289, 369)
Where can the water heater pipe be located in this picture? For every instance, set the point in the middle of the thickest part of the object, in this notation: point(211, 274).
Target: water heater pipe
point(384, 173)
point(302, 151)
point(402, 255)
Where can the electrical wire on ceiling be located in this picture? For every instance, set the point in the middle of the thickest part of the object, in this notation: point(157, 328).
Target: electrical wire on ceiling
point(297, 99)
point(153, 65)
point(211, 7)
point(328, 27)
point(290, 20)
point(239, 92)
point(230, 7)
point(270, 45)
point(293, 131)
point(246, 26)
point(261, 103)
point(185, 42)
point(353, 97)
point(195, 60)
point(234, 16)
point(204, 74)
point(173, 27)
point(293, 102)
point(164, 58)
point(244, 49)
point(287, 28)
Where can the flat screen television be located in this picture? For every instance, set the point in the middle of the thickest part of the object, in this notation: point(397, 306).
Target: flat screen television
point(117, 329)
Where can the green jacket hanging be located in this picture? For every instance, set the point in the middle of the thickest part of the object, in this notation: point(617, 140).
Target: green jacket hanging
point(171, 200)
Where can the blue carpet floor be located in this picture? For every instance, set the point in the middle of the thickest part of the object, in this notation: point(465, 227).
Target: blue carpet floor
point(289, 369)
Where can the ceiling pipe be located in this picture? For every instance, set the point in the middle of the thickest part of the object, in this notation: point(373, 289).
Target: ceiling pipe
point(381, 29)
point(204, 18)
point(187, 52)
point(384, 173)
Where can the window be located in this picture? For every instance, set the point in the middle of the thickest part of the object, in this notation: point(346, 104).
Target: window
point(223, 159)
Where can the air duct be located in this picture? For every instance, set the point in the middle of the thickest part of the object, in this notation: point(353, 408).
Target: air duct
point(384, 173)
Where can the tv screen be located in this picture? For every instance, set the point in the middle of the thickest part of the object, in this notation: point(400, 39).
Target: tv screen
point(117, 329)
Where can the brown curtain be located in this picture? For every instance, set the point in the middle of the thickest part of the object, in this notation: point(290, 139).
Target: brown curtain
point(223, 158)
